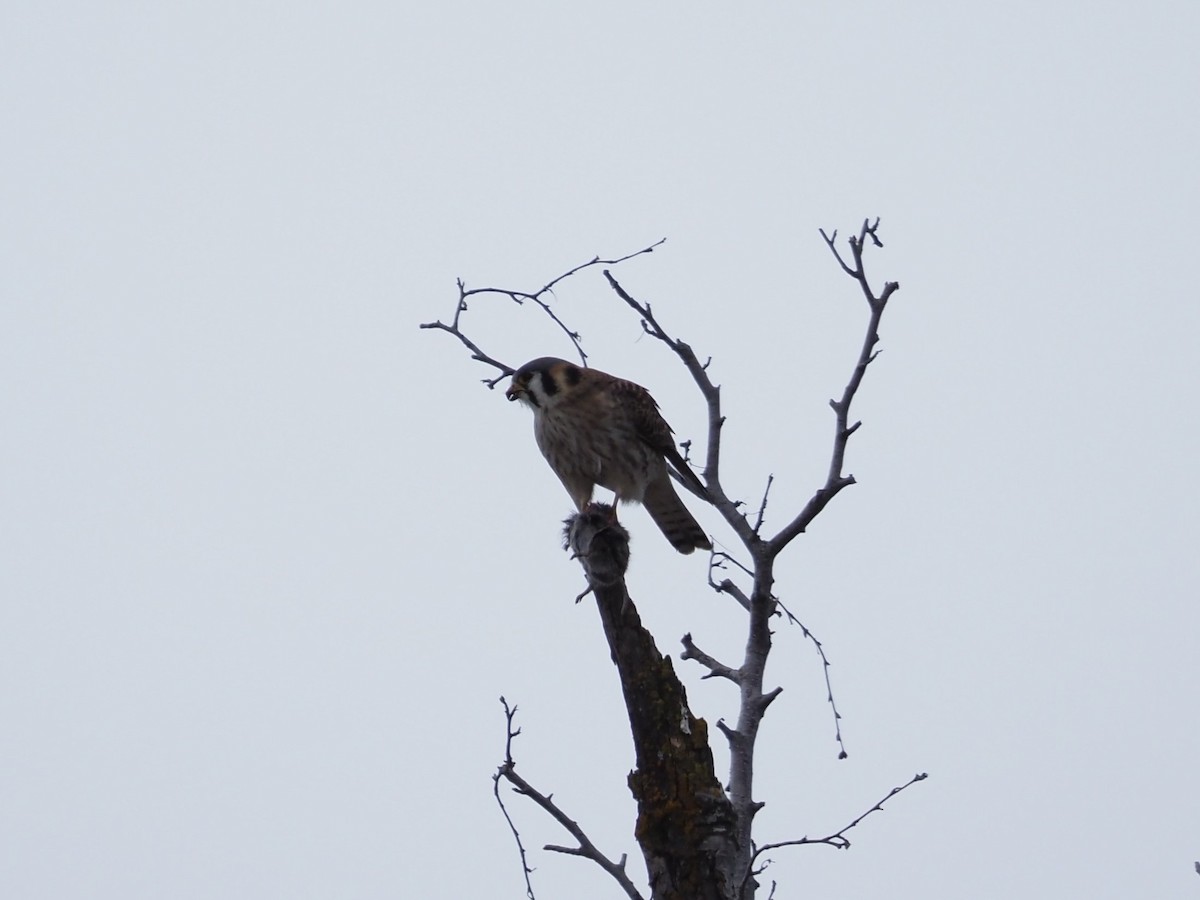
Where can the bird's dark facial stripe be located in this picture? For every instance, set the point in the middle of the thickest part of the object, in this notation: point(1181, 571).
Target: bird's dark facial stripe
point(549, 385)
point(573, 375)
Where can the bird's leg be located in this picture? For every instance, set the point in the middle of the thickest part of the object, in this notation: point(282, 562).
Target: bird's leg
point(604, 510)
point(609, 510)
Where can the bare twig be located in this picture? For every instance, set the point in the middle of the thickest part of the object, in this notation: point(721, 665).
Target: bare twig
point(838, 839)
point(586, 848)
point(500, 773)
point(825, 666)
point(476, 353)
point(762, 507)
point(716, 560)
point(597, 261)
point(519, 297)
point(722, 557)
point(715, 668)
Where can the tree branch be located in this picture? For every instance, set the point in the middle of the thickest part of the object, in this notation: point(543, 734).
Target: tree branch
point(835, 480)
point(715, 669)
point(476, 353)
point(586, 848)
point(519, 297)
point(728, 509)
point(716, 560)
point(825, 666)
point(500, 773)
point(838, 839)
point(762, 507)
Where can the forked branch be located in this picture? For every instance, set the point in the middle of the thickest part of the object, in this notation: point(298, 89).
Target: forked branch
point(717, 559)
point(838, 839)
point(759, 601)
point(538, 297)
point(508, 765)
point(729, 509)
point(715, 668)
point(835, 480)
point(585, 848)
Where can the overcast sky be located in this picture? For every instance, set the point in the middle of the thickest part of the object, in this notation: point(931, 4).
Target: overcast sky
point(270, 554)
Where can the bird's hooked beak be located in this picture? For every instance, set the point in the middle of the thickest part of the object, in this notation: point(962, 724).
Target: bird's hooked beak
point(520, 392)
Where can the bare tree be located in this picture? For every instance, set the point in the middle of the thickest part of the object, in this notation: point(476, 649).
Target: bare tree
point(696, 835)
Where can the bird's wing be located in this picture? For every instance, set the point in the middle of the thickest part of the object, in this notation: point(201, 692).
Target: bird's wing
point(653, 429)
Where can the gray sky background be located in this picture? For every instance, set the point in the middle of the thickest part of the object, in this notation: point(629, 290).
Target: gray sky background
point(270, 553)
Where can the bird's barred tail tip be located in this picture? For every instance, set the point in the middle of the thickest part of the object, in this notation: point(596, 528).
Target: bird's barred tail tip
point(692, 541)
point(673, 518)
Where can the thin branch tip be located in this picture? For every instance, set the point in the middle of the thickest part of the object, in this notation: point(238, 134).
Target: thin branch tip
point(586, 848)
point(538, 297)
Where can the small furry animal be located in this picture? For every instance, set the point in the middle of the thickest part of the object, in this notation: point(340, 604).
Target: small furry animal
point(595, 429)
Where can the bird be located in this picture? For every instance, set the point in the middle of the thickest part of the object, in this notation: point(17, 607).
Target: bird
point(597, 429)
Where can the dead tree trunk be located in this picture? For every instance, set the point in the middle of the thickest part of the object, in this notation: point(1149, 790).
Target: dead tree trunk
point(686, 824)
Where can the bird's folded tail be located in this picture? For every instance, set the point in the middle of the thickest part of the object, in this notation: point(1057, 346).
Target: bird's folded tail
point(673, 518)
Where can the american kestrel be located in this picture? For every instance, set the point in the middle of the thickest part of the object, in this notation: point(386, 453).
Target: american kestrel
point(595, 429)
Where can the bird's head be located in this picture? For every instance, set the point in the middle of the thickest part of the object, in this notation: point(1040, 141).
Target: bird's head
point(541, 383)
